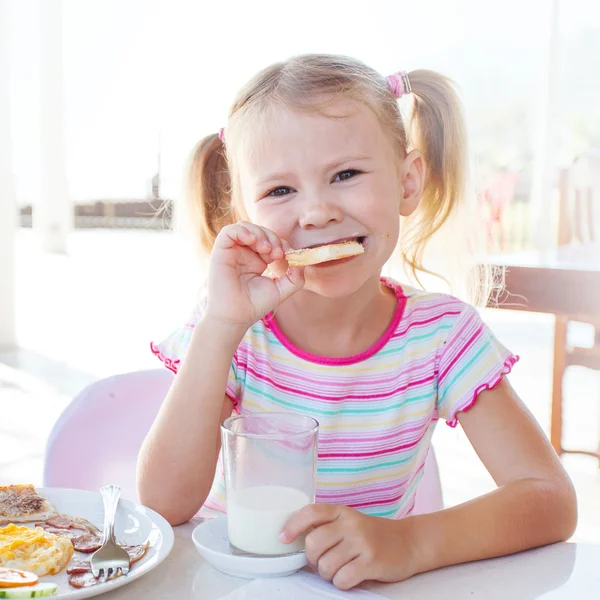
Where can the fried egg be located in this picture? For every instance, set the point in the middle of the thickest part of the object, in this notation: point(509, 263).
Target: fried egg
point(33, 549)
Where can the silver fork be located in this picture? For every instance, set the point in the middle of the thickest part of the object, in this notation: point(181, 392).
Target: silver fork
point(107, 560)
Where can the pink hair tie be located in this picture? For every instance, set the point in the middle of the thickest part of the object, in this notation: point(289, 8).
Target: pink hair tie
point(222, 134)
point(399, 84)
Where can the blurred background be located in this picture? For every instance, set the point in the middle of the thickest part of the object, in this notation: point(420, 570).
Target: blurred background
point(101, 103)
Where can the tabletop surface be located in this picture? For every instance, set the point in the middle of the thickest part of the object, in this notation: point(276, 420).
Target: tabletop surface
point(564, 571)
point(574, 257)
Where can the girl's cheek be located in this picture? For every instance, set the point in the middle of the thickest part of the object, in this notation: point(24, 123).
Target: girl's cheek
point(262, 215)
point(276, 221)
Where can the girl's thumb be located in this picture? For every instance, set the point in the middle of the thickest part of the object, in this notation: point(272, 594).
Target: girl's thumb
point(290, 283)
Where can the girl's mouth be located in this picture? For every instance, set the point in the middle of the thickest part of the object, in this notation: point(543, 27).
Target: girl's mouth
point(361, 239)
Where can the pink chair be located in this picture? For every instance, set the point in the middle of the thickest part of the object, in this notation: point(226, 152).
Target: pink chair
point(97, 438)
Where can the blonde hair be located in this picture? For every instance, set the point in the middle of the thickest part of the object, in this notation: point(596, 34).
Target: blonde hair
point(432, 122)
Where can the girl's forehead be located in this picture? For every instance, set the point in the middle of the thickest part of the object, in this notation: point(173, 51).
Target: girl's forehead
point(311, 135)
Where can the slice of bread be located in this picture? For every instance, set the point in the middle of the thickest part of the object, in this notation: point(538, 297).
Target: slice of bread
point(321, 254)
point(22, 504)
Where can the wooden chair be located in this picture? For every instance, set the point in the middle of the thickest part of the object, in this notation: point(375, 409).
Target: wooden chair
point(579, 225)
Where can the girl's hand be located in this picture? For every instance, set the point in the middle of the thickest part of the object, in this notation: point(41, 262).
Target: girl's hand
point(238, 292)
point(348, 547)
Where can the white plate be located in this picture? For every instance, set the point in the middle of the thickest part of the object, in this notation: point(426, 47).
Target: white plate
point(210, 539)
point(134, 524)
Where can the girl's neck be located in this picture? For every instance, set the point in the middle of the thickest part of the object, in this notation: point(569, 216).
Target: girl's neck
point(338, 327)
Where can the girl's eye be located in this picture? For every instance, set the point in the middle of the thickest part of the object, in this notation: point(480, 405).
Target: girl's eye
point(347, 174)
point(279, 192)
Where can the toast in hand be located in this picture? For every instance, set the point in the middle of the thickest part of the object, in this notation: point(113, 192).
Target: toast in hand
point(314, 256)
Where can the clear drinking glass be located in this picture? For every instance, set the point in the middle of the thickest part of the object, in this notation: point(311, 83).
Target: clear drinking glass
point(270, 463)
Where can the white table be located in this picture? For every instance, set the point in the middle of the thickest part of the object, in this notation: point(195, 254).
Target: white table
point(566, 571)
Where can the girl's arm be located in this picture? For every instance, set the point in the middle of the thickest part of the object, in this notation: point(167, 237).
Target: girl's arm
point(535, 503)
point(177, 461)
point(176, 465)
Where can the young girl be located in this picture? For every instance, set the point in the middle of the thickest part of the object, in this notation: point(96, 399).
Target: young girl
point(316, 151)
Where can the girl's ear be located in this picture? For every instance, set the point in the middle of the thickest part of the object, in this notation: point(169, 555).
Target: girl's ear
point(412, 180)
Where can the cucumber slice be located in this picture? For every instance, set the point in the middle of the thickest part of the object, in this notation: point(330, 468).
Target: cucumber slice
point(29, 591)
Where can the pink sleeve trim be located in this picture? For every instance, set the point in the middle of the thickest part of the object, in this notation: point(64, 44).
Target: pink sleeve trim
point(172, 365)
point(236, 403)
point(509, 363)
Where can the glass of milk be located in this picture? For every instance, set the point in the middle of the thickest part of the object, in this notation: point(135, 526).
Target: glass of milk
point(270, 462)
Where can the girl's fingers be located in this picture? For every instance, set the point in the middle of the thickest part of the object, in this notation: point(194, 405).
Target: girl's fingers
point(268, 244)
point(277, 252)
point(245, 234)
point(232, 235)
point(335, 559)
point(264, 242)
point(321, 540)
point(313, 515)
point(350, 575)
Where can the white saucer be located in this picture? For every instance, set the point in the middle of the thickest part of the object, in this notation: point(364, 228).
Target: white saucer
point(210, 539)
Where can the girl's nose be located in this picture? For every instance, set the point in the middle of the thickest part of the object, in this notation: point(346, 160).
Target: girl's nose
point(318, 213)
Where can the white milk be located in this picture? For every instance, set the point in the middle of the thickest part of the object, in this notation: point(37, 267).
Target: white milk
point(256, 516)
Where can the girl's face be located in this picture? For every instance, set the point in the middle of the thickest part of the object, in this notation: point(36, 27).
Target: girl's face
point(319, 179)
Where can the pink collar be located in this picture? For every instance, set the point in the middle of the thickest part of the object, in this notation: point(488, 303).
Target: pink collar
point(271, 324)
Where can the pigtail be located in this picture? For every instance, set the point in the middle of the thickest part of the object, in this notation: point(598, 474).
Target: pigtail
point(209, 190)
point(436, 126)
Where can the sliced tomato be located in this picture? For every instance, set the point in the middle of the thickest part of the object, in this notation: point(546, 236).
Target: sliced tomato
point(16, 578)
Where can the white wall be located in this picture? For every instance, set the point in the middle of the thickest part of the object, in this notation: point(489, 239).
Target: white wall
point(8, 213)
point(53, 217)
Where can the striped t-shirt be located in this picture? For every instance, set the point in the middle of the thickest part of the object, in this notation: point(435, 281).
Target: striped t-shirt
point(377, 410)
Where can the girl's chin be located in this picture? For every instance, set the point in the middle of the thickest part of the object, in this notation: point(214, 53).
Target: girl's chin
point(334, 283)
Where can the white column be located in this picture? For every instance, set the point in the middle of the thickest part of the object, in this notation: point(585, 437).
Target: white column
point(53, 217)
point(8, 208)
point(544, 163)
